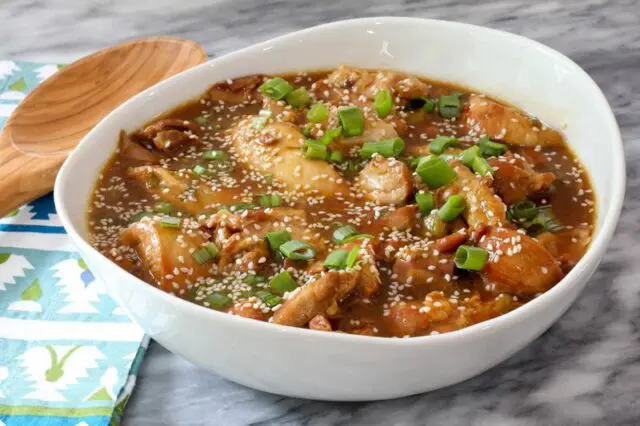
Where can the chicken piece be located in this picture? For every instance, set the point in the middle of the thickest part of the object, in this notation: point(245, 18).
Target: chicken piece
point(178, 190)
point(277, 149)
point(240, 236)
point(235, 91)
point(423, 266)
point(500, 122)
point(367, 83)
point(135, 151)
point(169, 134)
point(320, 322)
point(450, 242)
point(374, 130)
point(402, 219)
point(368, 276)
point(483, 207)
point(317, 298)
point(281, 111)
point(566, 246)
point(160, 251)
point(412, 318)
point(515, 180)
point(385, 181)
point(517, 263)
point(246, 310)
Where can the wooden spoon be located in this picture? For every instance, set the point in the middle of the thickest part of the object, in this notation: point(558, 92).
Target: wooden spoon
point(54, 117)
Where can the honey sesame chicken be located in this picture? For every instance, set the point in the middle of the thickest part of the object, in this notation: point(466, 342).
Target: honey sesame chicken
point(323, 200)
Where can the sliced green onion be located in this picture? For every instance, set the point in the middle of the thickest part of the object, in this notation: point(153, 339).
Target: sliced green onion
point(441, 143)
point(139, 216)
point(199, 170)
point(469, 154)
point(306, 132)
point(298, 98)
point(481, 166)
point(429, 105)
point(545, 220)
point(283, 282)
point(336, 157)
point(252, 279)
point(268, 298)
point(166, 208)
point(212, 249)
point(489, 148)
point(355, 237)
point(337, 259)
point(383, 103)
point(470, 258)
point(353, 257)
point(525, 209)
point(202, 120)
point(449, 106)
point(451, 208)
point(386, 148)
point(297, 250)
point(201, 256)
point(330, 135)
point(343, 232)
point(435, 172)
point(277, 238)
point(351, 120)
point(215, 156)
point(276, 88)
point(170, 222)
point(318, 113)
point(273, 200)
point(218, 300)
point(425, 202)
point(315, 150)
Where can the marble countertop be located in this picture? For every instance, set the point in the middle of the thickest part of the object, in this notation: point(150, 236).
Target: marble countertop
point(584, 370)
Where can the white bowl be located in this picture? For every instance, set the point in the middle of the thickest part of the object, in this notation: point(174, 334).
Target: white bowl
point(330, 366)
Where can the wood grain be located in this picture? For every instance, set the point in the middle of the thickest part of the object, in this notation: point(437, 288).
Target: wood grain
point(54, 117)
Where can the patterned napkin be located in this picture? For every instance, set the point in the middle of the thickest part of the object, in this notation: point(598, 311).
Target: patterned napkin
point(68, 354)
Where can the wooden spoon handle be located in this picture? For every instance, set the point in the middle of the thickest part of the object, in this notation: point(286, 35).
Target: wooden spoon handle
point(22, 177)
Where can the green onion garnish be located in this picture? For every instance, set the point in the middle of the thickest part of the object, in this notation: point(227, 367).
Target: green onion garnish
point(202, 120)
point(429, 105)
point(330, 135)
point(161, 207)
point(441, 143)
point(201, 256)
point(212, 249)
point(489, 148)
point(425, 202)
point(435, 172)
point(337, 259)
point(353, 257)
point(317, 113)
point(343, 232)
point(276, 88)
point(481, 166)
point(218, 300)
point(351, 120)
point(277, 238)
point(336, 157)
point(199, 170)
point(273, 200)
point(356, 237)
point(451, 208)
point(525, 209)
point(383, 103)
point(268, 298)
point(449, 106)
point(283, 282)
point(298, 98)
point(545, 220)
point(170, 222)
point(386, 148)
point(215, 156)
point(470, 258)
point(297, 250)
point(315, 150)
point(469, 154)
point(252, 279)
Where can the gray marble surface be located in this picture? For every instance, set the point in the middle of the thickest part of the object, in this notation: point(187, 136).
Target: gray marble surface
point(584, 370)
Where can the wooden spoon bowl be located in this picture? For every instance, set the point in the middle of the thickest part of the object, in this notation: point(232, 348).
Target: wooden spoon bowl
point(54, 117)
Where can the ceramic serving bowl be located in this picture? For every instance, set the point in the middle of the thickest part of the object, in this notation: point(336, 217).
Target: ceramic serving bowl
point(331, 366)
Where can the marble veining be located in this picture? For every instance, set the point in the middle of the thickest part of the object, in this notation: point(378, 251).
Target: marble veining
point(584, 370)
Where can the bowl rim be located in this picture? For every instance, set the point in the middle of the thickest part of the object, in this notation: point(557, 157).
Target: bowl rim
point(595, 251)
